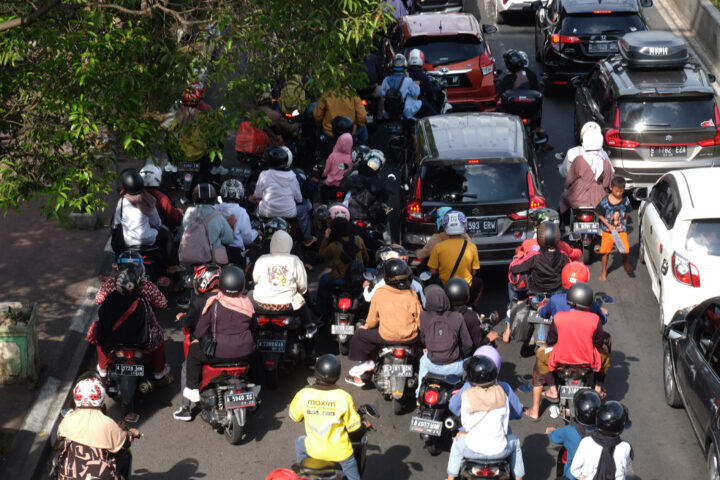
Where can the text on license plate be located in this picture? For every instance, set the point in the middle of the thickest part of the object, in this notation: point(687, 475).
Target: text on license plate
point(598, 47)
point(569, 391)
point(342, 329)
point(397, 370)
point(275, 346)
point(190, 167)
point(130, 370)
point(239, 400)
point(665, 152)
point(429, 427)
point(586, 227)
point(482, 226)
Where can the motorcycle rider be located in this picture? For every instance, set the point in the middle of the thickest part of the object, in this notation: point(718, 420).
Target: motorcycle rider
point(518, 75)
point(575, 337)
point(456, 256)
point(603, 454)
point(340, 102)
point(438, 236)
point(330, 419)
point(578, 150)
point(428, 88)
point(458, 292)
point(393, 318)
point(385, 253)
point(170, 215)
point(218, 230)
point(408, 102)
point(485, 413)
point(368, 192)
point(232, 193)
point(545, 268)
point(339, 163)
point(585, 405)
point(572, 273)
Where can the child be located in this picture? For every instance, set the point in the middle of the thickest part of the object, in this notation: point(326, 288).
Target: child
point(613, 211)
point(339, 162)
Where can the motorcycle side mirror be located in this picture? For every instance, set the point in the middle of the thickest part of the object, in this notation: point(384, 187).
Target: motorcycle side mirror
point(539, 139)
point(368, 276)
point(499, 72)
point(425, 276)
point(577, 80)
point(453, 379)
point(487, 28)
point(370, 410)
point(711, 78)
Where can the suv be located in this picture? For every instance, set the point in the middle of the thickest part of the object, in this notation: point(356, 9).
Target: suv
point(656, 108)
point(422, 6)
point(572, 35)
point(482, 164)
point(455, 52)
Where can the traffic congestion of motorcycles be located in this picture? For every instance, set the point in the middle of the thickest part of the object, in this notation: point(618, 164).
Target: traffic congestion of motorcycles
point(402, 188)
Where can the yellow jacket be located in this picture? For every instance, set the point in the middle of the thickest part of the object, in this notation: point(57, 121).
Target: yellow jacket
point(334, 103)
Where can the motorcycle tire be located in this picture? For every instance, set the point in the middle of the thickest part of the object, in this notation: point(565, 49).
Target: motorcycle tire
point(234, 431)
point(344, 348)
point(272, 379)
point(398, 406)
point(587, 255)
point(433, 446)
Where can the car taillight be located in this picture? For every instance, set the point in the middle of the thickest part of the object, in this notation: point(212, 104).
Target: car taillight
point(602, 12)
point(487, 65)
point(612, 135)
point(412, 209)
point(684, 271)
point(431, 397)
point(585, 217)
point(398, 353)
point(344, 303)
point(716, 139)
point(536, 201)
point(559, 41)
point(485, 471)
point(263, 321)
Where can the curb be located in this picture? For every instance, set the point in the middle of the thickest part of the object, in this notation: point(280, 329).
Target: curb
point(33, 441)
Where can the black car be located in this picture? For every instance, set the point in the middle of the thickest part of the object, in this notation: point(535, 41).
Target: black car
point(691, 371)
point(572, 35)
point(482, 164)
point(656, 107)
point(422, 6)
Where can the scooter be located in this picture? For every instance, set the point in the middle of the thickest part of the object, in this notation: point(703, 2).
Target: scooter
point(498, 469)
point(395, 373)
point(348, 305)
point(585, 232)
point(526, 104)
point(432, 419)
point(570, 379)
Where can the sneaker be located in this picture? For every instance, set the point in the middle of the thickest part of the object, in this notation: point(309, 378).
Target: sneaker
point(310, 241)
point(183, 414)
point(361, 368)
point(192, 394)
point(165, 371)
point(351, 380)
point(102, 371)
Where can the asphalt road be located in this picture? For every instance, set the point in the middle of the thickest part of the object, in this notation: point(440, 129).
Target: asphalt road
point(662, 438)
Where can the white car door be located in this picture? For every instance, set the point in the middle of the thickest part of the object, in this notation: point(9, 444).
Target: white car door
point(651, 223)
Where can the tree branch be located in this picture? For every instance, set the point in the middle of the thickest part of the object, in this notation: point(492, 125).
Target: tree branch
point(29, 18)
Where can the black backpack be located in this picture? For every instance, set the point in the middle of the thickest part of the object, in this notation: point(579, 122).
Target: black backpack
point(394, 100)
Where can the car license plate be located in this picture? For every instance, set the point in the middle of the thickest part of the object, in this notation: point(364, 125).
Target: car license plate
point(239, 400)
point(429, 427)
point(569, 391)
point(602, 47)
point(342, 329)
point(666, 152)
point(482, 226)
point(190, 167)
point(586, 227)
point(397, 370)
point(268, 345)
point(129, 370)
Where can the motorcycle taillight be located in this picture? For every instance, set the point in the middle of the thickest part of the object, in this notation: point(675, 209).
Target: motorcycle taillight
point(344, 303)
point(262, 321)
point(128, 354)
point(431, 397)
point(585, 217)
point(485, 471)
point(399, 353)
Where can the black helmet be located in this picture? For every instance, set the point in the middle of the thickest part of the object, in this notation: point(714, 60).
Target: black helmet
point(397, 273)
point(481, 371)
point(204, 193)
point(341, 124)
point(131, 181)
point(275, 224)
point(612, 418)
point(586, 403)
point(458, 291)
point(548, 234)
point(327, 369)
point(514, 61)
point(276, 157)
point(580, 296)
point(232, 279)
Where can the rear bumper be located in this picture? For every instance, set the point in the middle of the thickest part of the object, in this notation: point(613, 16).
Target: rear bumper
point(644, 173)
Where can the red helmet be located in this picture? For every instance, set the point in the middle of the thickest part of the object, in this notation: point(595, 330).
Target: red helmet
point(199, 87)
point(282, 474)
point(574, 272)
point(190, 97)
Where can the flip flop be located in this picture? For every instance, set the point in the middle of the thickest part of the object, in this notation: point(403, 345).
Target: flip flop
point(351, 380)
point(525, 413)
point(629, 270)
point(553, 400)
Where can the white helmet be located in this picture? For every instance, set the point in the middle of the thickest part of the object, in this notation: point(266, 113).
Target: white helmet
point(89, 393)
point(152, 175)
point(290, 157)
point(589, 126)
point(416, 58)
point(232, 188)
point(592, 140)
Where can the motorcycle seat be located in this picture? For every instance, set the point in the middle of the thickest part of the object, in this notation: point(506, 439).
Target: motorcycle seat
point(315, 466)
point(245, 365)
point(434, 377)
point(259, 309)
point(480, 463)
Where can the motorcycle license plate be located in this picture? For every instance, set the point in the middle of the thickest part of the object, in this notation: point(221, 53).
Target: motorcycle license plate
point(569, 391)
point(239, 400)
point(190, 167)
point(342, 329)
point(397, 370)
point(586, 227)
point(428, 427)
point(129, 370)
point(274, 346)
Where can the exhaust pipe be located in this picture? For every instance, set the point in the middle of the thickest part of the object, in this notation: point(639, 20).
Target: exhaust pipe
point(450, 423)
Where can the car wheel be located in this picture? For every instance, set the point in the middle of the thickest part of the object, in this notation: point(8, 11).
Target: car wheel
point(672, 395)
point(712, 464)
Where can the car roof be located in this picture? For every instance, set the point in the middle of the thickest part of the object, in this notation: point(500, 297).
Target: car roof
point(588, 6)
point(440, 24)
point(699, 188)
point(473, 135)
point(630, 82)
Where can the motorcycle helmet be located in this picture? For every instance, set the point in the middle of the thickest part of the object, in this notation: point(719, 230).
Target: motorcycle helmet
point(190, 97)
point(339, 210)
point(481, 371)
point(289, 163)
point(574, 272)
point(458, 291)
point(514, 61)
point(373, 161)
point(204, 193)
point(327, 369)
point(321, 213)
point(490, 352)
point(612, 418)
point(386, 252)
point(128, 279)
point(265, 98)
point(131, 181)
point(232, 279)
point(130, 257)
point(232, 189)
point(151, 175)
point(276, 157)
point(198, 86)
point(89, 393)
point(416, 58)
point(589, 127)
point(538, 215)
point(586, 403)
point(454, 222)
point(341, 124)
point(282, 474)
point(592, 140)
point(439, 214)
point(399, 62)
point(206, 277)
point(358, 153)
point(275, 224)
point(580, 296)
point(548, 234)
point(397, 273)
point(526, 59)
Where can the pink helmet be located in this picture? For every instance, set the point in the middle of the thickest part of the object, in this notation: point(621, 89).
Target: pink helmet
point(490, 352)
point(339, 211)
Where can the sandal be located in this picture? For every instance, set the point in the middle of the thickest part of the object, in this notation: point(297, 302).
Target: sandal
point(351, 380)
point(534, 419)
point(553, 400)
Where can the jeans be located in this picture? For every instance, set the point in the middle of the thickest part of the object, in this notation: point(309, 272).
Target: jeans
point(459, 451)
point(513, 296)
point(361, 134)
point(303, 218)
point(323, 292)
point(349, 465)
point(426, 366)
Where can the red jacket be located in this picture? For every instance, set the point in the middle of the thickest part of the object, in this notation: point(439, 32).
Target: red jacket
point(575, 335)
point(531, 245)
point(170, 216)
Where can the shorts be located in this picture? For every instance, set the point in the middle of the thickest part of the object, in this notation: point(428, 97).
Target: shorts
point(607, 243)
point(541, 368)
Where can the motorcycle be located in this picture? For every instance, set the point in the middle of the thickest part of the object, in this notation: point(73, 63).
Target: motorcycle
point(395, 373)
point(585, 232)
point(570, 379)
point(432, 419)
point(526, 104)
point(314, 469)
point(497, 469)
point(524, 316)
point(248, 171)
point(348, 305)
point(127, 367)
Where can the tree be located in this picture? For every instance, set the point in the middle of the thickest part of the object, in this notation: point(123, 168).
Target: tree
point(85, 81)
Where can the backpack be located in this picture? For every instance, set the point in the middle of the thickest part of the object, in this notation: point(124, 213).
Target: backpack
point(394, 100)
point(440, 336)
point(195, 245)
point(520, 281)
point(356, 268)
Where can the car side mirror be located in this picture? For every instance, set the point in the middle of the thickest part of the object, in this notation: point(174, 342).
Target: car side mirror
point(487, 28)
point(711, 78)
point(641, 194)
point(646, 3)
point(577, 80)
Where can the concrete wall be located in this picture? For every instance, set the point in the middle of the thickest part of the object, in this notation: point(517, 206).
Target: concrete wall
point(704, 20)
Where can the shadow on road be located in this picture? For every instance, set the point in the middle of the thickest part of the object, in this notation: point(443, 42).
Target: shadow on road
point(186, 469)
point(539, 464)
point(390, 464)
point(617, 378)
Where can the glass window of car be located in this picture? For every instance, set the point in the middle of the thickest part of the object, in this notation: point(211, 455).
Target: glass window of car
point(447, 50)
point(659, 196)
point(705, 326)
point(481, 183)
point(670, 210)
point(589, 24)
point(704, 237)
point(663, 114)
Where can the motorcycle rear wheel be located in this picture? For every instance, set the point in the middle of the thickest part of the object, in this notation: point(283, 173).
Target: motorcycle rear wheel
point(398, 406)
point(433, 446)
point(344, 348)
point(234, 431)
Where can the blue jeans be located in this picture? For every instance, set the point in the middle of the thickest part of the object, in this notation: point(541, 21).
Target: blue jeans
point(349, 465)
point(513, 296)
point(361, 134)
point(426, 366)
point(323, 291)
point(303, 218)
point(459, 451)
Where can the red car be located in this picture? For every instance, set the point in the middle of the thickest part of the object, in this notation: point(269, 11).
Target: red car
point(455, 51)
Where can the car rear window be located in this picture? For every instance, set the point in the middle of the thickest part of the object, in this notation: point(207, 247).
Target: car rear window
point(663, 114)
point(590, 24)
point(704, 237)
point(446, 50)
point(474, 183)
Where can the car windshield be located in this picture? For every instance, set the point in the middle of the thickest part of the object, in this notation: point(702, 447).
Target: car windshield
point(664, 114)
point(446, 50)
point(704, 237)
point(614, 25)
point(474, 183)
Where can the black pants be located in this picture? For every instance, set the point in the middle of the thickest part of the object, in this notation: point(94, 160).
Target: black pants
point(196, 359)
point(365, 341)
point(235, 256)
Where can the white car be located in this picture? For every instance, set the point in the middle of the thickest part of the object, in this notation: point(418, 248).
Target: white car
point(680, 239)
point(502, 7)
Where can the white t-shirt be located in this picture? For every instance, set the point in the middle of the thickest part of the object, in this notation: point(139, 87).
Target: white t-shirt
point(279, 192)
point(415, 285)
point(138, 228)
point(587, 457)
point(487, 430)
